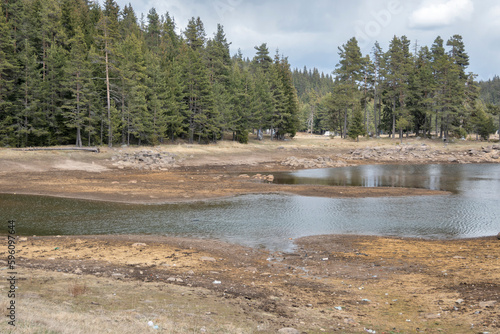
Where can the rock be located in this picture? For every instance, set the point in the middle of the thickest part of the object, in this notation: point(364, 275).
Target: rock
point(490, 303)
point(459, 301)
point(433, 316)
point(78, 271)
point(139, 244)
point(288, 330)
point(487, 149)
point(495, 156)
point(452, 159)
point(207, 259)
point(244, 176)
point(270, 178)
point(174, 279)
point(498, 236)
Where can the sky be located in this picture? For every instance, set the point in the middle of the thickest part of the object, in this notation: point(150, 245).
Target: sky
point(309, 32)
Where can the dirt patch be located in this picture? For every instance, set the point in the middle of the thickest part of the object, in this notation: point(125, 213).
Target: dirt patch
point(80, 166)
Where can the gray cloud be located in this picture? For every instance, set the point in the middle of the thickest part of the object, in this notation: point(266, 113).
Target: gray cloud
point(310, 32)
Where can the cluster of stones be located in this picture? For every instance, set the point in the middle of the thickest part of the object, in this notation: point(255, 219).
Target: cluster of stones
point(320, 162)
point(410, 152)
point(146, 160)
point(260, 177)
point(396, 153)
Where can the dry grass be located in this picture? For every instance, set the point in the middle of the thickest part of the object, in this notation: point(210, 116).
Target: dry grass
point(103, 305)
point(76, 289)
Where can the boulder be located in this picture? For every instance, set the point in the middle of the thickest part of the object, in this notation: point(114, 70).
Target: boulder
point(288, 330)
point(490, 303)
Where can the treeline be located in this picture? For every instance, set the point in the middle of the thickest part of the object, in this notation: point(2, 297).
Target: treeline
point(490, 91)
point(421, 90)
point(72, 71)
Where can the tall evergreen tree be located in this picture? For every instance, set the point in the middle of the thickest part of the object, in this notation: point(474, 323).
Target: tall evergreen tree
point(106, 39)
point(262, 58)
point(133, 70)
point(78, 86)
point(349, 73)
point(8, 68)
point(398, 65)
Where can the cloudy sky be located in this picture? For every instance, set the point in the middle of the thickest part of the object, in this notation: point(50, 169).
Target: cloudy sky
point(309, 32)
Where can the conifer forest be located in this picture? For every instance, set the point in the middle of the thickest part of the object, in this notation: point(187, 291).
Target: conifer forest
point(73, 72)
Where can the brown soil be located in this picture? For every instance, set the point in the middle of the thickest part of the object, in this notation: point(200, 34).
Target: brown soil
point(331, 283)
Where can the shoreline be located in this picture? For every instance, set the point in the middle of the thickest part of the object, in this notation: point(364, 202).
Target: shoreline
point(328, 283)
point(187, 173)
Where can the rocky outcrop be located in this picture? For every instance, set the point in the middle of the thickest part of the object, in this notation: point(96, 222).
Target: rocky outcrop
point(398, 154)
point(320, 162)
point(147, 160)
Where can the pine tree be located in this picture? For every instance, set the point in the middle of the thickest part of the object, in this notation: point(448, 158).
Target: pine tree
point(177, 109)
point(262, 102)
point(421, 89)
point(349, 73)
point(356, 127)
point(198, 92)
point(398, 66)
point(262, 58)
point(153, 30)
point(195, 34)
point(106, 39)
point(133, 70)
point(78, 85)
point(378, 58)
point(8, 68)
point(30, 119)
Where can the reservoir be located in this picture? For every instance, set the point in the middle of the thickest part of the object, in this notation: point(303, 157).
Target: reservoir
point(272, 221)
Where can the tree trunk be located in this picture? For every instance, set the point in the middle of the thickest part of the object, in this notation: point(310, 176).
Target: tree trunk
point(344, 131)
point(78, 131)
point(108, 98)
point(375, 110)
point(394, 118)
point(437, 126)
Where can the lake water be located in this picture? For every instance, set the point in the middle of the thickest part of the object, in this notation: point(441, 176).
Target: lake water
point(472, 210)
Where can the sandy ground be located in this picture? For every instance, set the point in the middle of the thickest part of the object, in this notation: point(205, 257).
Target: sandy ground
point(346, 284)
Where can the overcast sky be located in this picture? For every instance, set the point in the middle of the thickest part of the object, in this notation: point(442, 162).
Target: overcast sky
point(309, 32)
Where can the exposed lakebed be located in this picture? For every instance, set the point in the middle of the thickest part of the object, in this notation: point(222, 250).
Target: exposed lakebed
point(273, 220)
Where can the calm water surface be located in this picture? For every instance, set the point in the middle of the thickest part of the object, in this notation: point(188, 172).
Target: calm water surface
point(270, 221)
